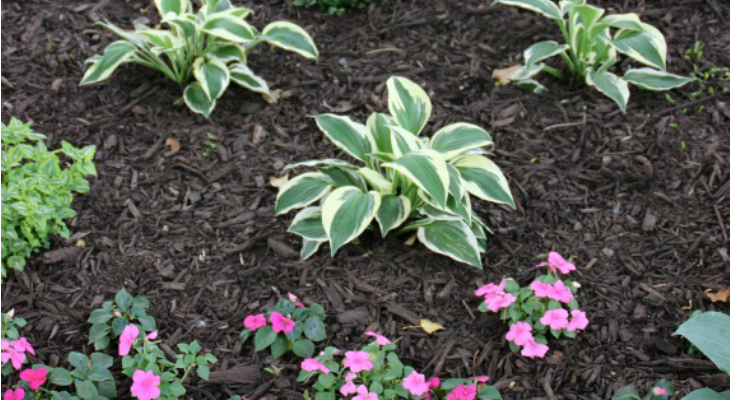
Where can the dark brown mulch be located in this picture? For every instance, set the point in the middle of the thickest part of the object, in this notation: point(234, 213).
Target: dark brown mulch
point(640, 200)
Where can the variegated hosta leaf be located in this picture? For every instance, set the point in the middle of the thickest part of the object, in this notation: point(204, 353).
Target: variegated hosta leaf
point(403, 141)
point(453, 239)
point(409, 104)
point(566, 5)
point(393, 212)
point(130, 37)
point(455, 139)
point(589, 15)
point(647, 46)
point(456, 186)
point(611, 86)
point(344, 177)
point(309, 247)
point(623, 21)
point(456, 209)
point(176, 7)
point(302, 191)
point(197, 100)
point(186, 25)
point(228, 53)
point(214, 6)
point(483, 178)
point(291, 37)
point(161, 40)
point(213, 76)
point(543, 7)
point(651, 79)
point(461, 207)
point(308, 224)
point(114, 55)
point(346, 213)
point(427, 169)
point(379, 126)
point(227, 26)
point(376, 180)
point(348, 135)
point(543, 50)
point(242, 75)
point(316, 163)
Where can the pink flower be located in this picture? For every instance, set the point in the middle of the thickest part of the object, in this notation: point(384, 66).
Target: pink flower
point(151, 336)
point(555, 319)
point(34, 377)
point(294, 299)
point(541, 289)
point(23, 344)
point(145, 385)
point(578, 321)
point(311, 365)
point(558, 291)
point(520, 333)
point(348, 388)
point(254, 322)
point(490, 288)
point(358, 361)
point(659, 391)
point(434, 382)
point(463, 393)
point(281, 323)
point(556, 262)
point(533, 349)
point(14, 352)
point(499, 301)
point(380, 339)
point(364, 394)
point(17, 394)
point(481, 379)
point(416, 384)
point(127, 338)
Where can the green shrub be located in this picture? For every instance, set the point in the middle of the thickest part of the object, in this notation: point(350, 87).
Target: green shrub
point(37, 190)
point(338, 7)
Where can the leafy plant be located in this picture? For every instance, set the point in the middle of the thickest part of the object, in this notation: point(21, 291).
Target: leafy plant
point(403, 177)
point(10, 325)
point(37, 191)
point(203, 51)
point(90, 377)
point(662, 390)
point(593, 42)
point(338, 7)
point(113, 316)
point(709, 331)
point(293, 327)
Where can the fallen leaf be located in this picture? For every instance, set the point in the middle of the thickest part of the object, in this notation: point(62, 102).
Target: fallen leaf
point(278, 182)
point(173, 144)
point(430, 327)
point(721, 296)
point(274, 97)
point(688, 307)
point(411, 239)
point(259, 133)
point(56, 85)
point(80, 243)
point(504, 76)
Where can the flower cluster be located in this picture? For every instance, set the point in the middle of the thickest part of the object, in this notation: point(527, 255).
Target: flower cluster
point(533, 311)
point(661, 390)
point(14, 351)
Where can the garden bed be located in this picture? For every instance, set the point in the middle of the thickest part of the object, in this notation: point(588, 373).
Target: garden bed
point(640, 200)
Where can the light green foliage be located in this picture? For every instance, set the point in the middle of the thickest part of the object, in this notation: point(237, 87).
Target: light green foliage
point(652, 393)
point(204, 51)
point(711, 80)
point(10, 325)
point(90, 378)
point(338, 7)
point(709, 331)
point(37, 190)
point(405, 182)
point(593, 42)
point(109, 321)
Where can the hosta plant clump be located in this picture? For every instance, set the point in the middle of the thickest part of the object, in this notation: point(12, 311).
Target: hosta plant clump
point(401, 181)
point(203, 50)
point(37, 190)
point(593, 41)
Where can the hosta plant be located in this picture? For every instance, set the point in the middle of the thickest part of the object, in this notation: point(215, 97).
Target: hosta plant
point(593, 41)
point(37, 190)
point(203, 50)
point(405, 182)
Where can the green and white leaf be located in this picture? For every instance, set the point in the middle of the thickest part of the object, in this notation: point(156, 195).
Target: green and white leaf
point(242, 75)
point(176, 7)
point(213, 76)
point(409, 104)
point(115, 55)
point(628, 21)
point(376, 180)
point(457, 138)
point(308, 224)
point(379, 126)
point(453, 239)
point(709, 332)
point(228, 53)
point(544, 7)
point(291, 37)
point(483, 178)
point(226, 26)
point(344, 177)
point(542, 51)
point(309, 247)
point(647, 46)
point(197, 99)
point(404, 142)
point(611, 86)
point(329, 162)
point(427, 169)
point(161, 40)
point(302, 191)
point(652, 79)
point(346, 213)
point(348, 135)
point(393, 212)
point(707, 394)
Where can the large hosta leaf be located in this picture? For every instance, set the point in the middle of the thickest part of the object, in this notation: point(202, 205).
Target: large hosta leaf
point(376, 180)
point(544, 7)
point(427, 169)
point(709, 332)
point(629, 21)
point(344, 177)
point(242, 75)
point(330, 162)
point(409, 104)
point(611, 86)
point(115, 55)
point(291, 37)
point(309, 247)
point(228, 53)
point(308, 224)
point(651, 79)
point(403, 141)
point(348, 135)
point(707, 394)
point(213, 76)
point(453, 239)
point(197, 99)
point(455, 139)
point(379, 126)
point(483, 178)
point(171, 6)
point(229, 27)
point(394, 211)
point(346, 213)
point(646, 46)
point(302, 191)
point(541, 51)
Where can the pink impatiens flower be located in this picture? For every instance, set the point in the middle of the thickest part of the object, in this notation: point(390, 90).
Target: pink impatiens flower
point(254, 322)
point(520, 333)
point(659, 391)
point(490, 289)
point(145, 385)
point(127, 338)
point(556, 262)
point(349, 387)
point(380, 339)
point(555, 319)
point(151, 336)
point(12, 351)
point(280, 323)
point(579, 321)
point(358, 361)
point(294, 299)
point(34, 377)
point(463, 393)
point(534, 350)
point(416, 384)
point(364, 394)
point(541, 289)
point(17, 394)
point(561, 293)
point(434, 382)
point(311, 365)
point(23, 344)
point(499, 301)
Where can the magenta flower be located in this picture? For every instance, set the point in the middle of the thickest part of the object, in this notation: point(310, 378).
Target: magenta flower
point(311, 365)
point(23, 344)
point(520, 333)
point(151, 336)
point(127, 338)
point(555, 319)
point(280, 323)
point(17, 394)
point(534, 350)
point(579, 321)
point(490, 288)
point(463, 393)
point(349, 387)
point(561, 293)
point(659, 391)
point(499, 301)
point(14, 352)
point(541, 289)
point(364, 394)
point(481, 379)
point(358, 361)
point(294, 299)
point(556, 262)
point(145, 385)
point(434, 382)
point(34, 377)
point(416, 384)
point(380, 339)
point(254, 322)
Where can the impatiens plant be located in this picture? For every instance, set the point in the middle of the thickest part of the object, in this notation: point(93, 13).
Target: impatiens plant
point(110, 320)
point(376, 373)
point(405, 182)
point(662, 390)
point(203, 51)
point(37, 190)
point(338, 7)
point(593, 41)
point(533, 311)
point(289, 326)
